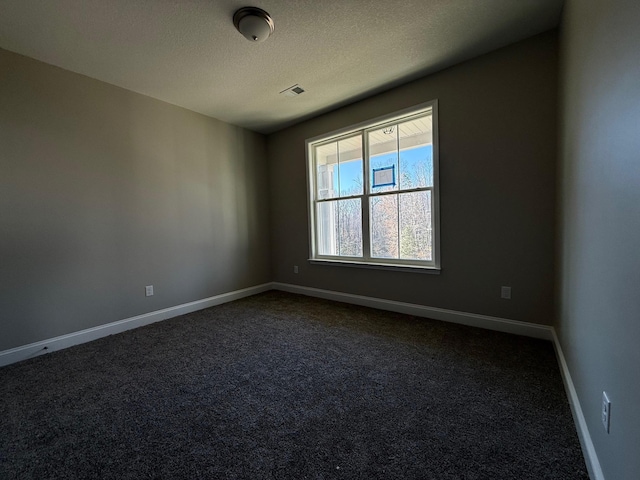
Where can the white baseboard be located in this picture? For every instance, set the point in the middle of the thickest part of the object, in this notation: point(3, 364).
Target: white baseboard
point(64, 341)
point(482, 321)
point(588, 449)
point(471, 319)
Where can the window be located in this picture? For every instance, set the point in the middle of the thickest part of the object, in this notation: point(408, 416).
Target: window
point(374, 192)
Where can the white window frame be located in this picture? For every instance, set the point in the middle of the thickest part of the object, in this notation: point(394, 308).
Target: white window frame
point(432, 266)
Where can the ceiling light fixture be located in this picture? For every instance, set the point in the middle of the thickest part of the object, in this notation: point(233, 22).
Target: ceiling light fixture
point(253, 23)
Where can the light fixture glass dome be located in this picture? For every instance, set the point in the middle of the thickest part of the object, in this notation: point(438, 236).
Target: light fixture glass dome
point(253, 23)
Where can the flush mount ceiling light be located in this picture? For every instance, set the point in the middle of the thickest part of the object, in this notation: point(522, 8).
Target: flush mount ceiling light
point(253, 23)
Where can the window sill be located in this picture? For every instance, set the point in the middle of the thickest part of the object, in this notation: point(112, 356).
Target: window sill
point(377, 266)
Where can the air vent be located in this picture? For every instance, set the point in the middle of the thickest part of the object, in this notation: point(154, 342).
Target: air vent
point(293, 91)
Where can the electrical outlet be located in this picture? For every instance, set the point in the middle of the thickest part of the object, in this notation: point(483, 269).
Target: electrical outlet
point(295, 269)
point(606, 411)
point(148, 290)
point(505, 292)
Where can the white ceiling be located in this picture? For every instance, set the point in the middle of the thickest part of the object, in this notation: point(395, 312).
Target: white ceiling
point(188, 53)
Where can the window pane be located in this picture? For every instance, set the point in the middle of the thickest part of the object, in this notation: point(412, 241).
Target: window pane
point(327, 228)
point(350, 169)
point(350, 227)
point(384, 226)
point(416, 236)
point(326, 170)
point(416, 153)
point(383, 159)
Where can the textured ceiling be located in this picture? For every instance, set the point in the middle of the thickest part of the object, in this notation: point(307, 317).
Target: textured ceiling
point(187, 52)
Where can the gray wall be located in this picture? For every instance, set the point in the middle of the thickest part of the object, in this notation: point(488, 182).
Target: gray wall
point(498, 151)
point(104, 191)
point(599, 267)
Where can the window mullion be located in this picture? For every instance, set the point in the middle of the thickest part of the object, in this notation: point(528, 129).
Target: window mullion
point(336, 196)
point(398, 195)
point(338, 223)
point(398, 222)
point(394, 192)
point(366, 232)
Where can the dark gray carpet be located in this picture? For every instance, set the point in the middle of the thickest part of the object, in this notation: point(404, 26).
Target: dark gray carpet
point(281, 386)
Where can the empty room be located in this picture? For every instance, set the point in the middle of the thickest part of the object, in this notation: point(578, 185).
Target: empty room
point(320, 239)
